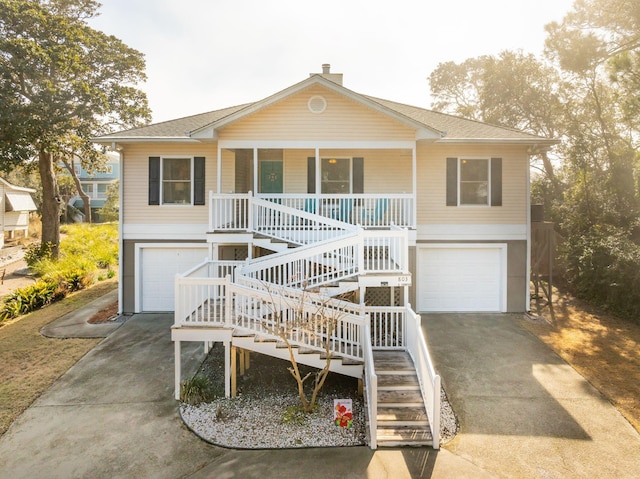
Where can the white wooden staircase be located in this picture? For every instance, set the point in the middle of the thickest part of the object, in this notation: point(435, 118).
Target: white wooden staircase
point(315, 260)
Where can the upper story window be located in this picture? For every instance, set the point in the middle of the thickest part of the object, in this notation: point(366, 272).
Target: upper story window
point(336, 175)
point(176, 181)
point(474, 181)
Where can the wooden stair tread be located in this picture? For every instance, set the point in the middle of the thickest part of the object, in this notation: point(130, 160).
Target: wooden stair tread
point(405, 434)
point(407, 381)
point(404, 414)
point(400, 397)
point(392, 361)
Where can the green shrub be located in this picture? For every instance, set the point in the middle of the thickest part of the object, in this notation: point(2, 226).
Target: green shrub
point(37, 252)
point(604, 268)
point(196, 390)
point(30, 298)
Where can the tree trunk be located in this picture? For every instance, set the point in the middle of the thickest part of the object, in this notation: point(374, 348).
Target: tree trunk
point(86, 199)
point(50, 202)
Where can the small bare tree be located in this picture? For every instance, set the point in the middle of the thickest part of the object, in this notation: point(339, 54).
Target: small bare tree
point(296, 316)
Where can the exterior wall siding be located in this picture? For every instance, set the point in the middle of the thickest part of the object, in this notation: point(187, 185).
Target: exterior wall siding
point(291, 120)
point(135, 183)
point(431, 179)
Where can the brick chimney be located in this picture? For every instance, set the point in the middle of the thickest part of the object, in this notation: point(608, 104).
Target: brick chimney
point(326, 73)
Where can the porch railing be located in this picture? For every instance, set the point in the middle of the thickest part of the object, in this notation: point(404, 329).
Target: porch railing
point(427, 377)
point(235, 211)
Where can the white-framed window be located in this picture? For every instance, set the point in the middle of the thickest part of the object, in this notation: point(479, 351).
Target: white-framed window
point(336, 176)
point(87, 188)
point(176, 180)
point(474, 181)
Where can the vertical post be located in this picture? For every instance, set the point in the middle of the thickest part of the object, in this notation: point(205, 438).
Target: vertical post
point(227, 380)
point(219, 172)
point(234, 379)
point(318, 181)
point(178, 368)
point(250, 225)
point(414, 175)
point(255, 170)
point(242, 365)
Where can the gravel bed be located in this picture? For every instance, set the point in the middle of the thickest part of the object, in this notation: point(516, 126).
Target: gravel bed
point(247, 423)
point(257, 417)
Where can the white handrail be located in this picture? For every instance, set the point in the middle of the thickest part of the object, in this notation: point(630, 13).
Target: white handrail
point(371, 380)
point(427, 377)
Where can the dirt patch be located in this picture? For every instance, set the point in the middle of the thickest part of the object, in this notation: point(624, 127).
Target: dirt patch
point(604, 349)
point(108, 313)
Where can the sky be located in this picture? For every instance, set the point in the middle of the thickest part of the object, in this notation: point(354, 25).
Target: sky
point(203, 55)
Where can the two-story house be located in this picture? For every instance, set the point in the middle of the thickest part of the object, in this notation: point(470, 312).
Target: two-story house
point(391, 207)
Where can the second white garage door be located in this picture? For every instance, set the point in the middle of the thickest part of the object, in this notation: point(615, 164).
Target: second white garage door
point(157, 269)
point(461, 278)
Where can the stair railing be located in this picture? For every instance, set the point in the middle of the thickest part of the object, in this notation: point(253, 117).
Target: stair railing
point(427, 377)
point(371, 386)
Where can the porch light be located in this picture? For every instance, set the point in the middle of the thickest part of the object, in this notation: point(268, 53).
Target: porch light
point(333, 161)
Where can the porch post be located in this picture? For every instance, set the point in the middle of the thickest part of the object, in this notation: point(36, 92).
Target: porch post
point(318, 180)
point(255, 170)
point(227, 369)
point(178, 369)
point(219, 173)
point(414, 175)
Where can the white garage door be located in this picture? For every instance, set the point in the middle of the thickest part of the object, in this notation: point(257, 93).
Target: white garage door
point(461, 278)
point(158, 267)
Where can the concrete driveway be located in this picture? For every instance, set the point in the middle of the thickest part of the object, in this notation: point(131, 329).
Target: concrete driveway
point(523, 412)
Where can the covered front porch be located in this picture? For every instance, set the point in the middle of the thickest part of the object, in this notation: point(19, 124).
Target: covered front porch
point(369, 184)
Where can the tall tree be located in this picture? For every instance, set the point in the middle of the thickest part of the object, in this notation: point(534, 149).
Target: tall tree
point(514, 89)
point(62, 83)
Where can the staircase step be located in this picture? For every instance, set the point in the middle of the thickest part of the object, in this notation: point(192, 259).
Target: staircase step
point(404, 436)
point(402, 415)
point(400, 397)
point(392, 361)
point(390, 382)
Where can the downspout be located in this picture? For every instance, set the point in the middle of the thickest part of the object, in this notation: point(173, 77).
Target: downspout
point(118, 149)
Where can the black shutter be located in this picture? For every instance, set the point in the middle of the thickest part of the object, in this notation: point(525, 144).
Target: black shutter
point(496, 181)
point(311, 175)
point(154, 180)
point(452, 182)
point(198, 180)
point(358, 175)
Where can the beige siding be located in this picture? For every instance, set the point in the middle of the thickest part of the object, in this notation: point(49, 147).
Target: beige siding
point(291, 120)
point(135, 171)
point(432, 207)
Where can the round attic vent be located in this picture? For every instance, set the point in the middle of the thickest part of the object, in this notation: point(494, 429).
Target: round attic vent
point(317, 104)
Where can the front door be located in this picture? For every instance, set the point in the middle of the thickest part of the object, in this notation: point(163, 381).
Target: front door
point(271, 176)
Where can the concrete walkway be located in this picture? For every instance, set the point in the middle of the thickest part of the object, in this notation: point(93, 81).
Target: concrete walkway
point(524, 413)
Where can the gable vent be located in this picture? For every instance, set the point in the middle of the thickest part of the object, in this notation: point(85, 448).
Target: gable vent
point(317, 104)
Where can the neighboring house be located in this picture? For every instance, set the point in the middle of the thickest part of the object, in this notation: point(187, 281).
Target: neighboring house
point(392, 207)
point(15, 205)
point(95, 185)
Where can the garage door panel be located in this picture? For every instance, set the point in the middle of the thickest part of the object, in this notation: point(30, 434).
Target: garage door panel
point(158, 268)
point(460, 279)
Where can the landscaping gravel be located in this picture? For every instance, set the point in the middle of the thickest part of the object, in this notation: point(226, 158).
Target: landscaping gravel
point(263, 415)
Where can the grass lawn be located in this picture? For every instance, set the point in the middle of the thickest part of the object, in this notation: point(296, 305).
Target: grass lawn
point(604, 349)
point(29, 362)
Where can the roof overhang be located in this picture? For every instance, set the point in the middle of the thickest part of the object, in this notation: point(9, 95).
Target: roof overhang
point(19, 201)
point(209, 132)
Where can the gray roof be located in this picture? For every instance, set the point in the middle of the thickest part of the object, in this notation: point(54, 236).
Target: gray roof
point(452, 128)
